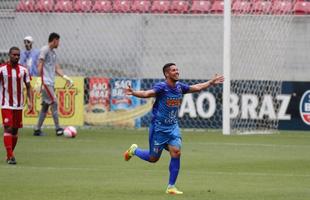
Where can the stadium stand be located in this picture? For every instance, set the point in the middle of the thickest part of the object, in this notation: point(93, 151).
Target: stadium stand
point(104, 6)
point(141, 6)
point(44, 6)
point(302, 8)
point(179, 6)
point(217, 7)
point(121, 6)
point(261, 7)
point(64, 6)
point(277, 7)
point(241, 7)
point(200, 6)
point(25, 6)
point(282, 7)
point(160, 6)
point(83, 6)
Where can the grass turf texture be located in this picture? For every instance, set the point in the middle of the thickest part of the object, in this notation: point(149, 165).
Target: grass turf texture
point(213, 166)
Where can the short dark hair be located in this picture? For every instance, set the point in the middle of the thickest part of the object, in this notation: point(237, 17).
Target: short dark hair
point(53, 36)
point(166, 67)
point(13, 48)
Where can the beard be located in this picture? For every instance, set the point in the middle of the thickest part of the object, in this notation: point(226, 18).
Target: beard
point(175, 80)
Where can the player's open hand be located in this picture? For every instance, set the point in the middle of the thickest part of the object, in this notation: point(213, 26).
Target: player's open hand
point(217, 79)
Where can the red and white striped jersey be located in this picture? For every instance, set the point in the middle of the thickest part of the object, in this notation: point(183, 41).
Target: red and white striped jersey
point(11, 86)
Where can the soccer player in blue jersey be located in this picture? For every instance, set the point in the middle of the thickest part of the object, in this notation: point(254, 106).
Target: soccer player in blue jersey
point(164, 132)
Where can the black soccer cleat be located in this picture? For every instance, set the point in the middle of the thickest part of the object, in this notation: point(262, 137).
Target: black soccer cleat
point(59, 131)
point(38, 133)
point(11, 161)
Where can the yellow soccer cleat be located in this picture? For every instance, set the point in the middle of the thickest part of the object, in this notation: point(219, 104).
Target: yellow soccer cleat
point(130, 152)
point(173, 190)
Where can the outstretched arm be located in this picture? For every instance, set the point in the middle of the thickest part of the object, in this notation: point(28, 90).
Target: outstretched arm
point(140, 93)
point(217, 79)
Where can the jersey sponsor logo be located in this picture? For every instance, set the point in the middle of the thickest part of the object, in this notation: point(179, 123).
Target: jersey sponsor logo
point(173, 102)
point(304, 107)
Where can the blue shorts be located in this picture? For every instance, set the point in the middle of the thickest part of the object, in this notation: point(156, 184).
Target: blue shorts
point(161, 137)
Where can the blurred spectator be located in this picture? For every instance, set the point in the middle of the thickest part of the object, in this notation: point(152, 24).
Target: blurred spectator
point(29, 56)
point(2, 61)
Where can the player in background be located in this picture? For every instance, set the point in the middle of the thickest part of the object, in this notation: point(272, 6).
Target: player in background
point(29, 57)
point(164, 132)
point(48, 68)
point(12, 79)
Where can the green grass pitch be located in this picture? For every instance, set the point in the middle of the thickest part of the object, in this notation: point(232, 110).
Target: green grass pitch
point(213, 166)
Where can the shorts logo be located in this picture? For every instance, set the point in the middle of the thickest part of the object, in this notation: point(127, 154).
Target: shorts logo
point(304, 107)
point(6, 120)
point(156, 149)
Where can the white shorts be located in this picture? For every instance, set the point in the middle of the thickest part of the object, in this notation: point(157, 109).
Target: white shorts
point(48, 94)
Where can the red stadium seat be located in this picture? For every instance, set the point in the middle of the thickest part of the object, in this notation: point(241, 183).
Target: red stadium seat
point(217, 7)
point(25, 6)
point(200, 6)
point(160, 6)
point(121, 6)
point(44, 6)
point(179, 6)
point(262, 7)
point(302, 8)
point(141, 6)
point(282, 7)
point(241, 7)
point(63, 6)
point(102, 6)
point(83, 6)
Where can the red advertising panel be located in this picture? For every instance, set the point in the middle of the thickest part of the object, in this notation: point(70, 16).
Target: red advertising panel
point(99, 94)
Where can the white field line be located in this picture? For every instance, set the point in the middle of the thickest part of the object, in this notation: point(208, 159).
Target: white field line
point(28, 140)
point(247, 144)
point(150, 170)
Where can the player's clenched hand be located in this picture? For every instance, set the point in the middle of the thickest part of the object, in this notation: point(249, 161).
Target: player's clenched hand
point(128, 90)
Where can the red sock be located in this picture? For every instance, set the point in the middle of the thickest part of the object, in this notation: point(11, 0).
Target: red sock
point(7, 140)
point(14, 141)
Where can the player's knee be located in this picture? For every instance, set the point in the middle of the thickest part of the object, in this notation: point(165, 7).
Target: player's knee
point(54, 107)
point(54, 104)
point(153, 159)
point(8, 129)
point(45, 107)
point(176, 153)
point(14, 131)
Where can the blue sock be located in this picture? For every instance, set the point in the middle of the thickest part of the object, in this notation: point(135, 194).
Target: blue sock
point(143, 154)
point(174, 170)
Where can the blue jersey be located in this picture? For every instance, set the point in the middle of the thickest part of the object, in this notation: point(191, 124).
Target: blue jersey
point(168, 100)
point(30, 60)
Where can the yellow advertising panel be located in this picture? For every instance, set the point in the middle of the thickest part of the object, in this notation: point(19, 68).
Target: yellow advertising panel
point(70, 104)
